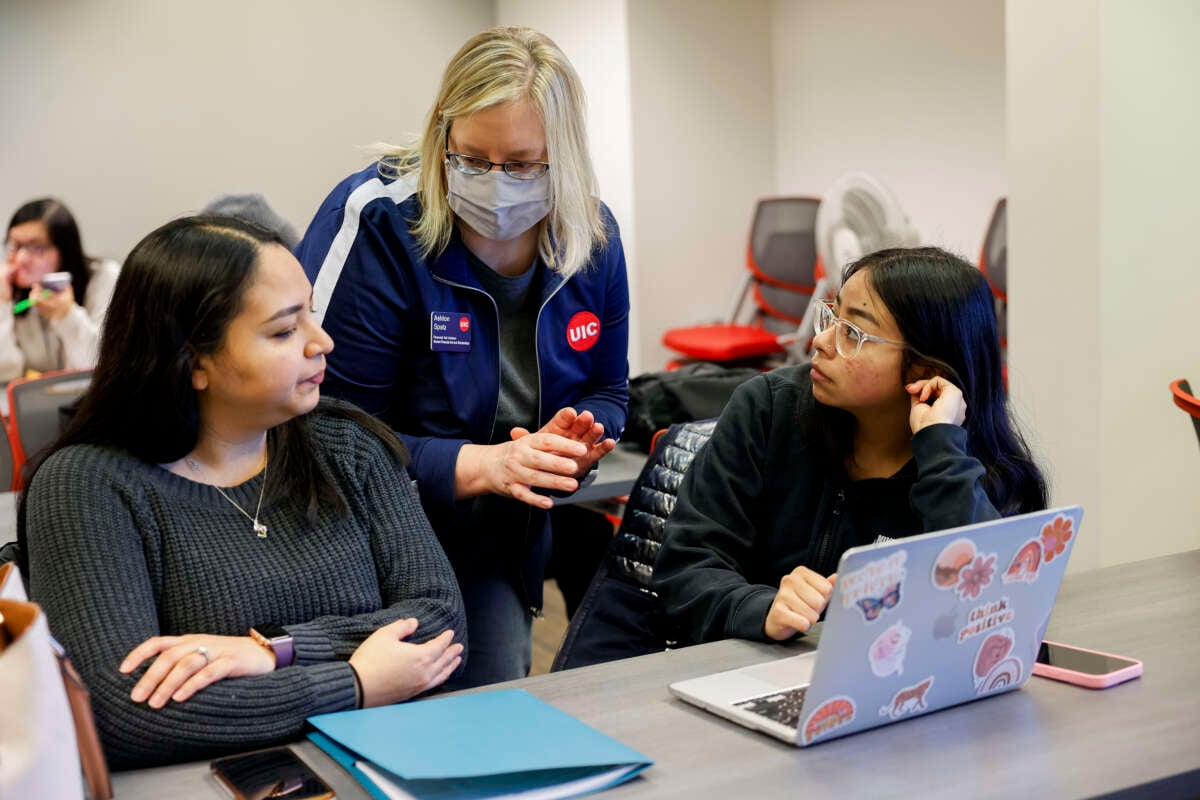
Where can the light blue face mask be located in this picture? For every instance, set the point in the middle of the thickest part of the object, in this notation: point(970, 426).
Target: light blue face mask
point(496, 205)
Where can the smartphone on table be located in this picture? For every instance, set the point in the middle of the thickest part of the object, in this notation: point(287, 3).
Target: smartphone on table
point(273, 773)
point(1090, 668)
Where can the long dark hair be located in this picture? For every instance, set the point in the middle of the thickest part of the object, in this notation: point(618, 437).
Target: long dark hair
point(177, 293)
point(64, 235)
point(944, 310)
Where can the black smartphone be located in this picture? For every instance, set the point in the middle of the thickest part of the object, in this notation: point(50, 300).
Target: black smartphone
point(264, 774)
point(1091, 668)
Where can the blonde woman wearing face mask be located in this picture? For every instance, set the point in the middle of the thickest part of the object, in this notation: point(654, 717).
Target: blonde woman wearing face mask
point(477, 291)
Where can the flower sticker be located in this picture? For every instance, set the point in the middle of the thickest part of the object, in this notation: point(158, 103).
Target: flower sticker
point(1055, 536)
point(976, 576)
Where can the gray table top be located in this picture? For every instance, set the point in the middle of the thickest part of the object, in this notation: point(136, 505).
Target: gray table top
point(1048, 740)
point(615, 476)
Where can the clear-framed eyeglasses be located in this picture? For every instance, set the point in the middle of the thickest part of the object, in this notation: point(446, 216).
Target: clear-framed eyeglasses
point(521, 170)
point(848, 338)
point(35, 249)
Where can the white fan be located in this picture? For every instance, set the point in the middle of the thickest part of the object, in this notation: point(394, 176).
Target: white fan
point(858, 215)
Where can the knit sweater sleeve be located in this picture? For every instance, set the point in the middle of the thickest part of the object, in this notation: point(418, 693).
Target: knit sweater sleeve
point(948, 491)
point(415, 577)
point(89, 570)
point(710, 536)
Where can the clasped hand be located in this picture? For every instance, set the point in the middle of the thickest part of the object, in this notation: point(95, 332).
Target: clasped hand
point(389, 668)
point(555, 457)
point(802, 596)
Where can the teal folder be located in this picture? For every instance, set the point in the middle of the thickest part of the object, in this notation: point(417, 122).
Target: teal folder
point(491, 744)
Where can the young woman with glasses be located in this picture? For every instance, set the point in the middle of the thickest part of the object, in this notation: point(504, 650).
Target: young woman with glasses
point(898, 426)
point(477, 292)
point(45, 328)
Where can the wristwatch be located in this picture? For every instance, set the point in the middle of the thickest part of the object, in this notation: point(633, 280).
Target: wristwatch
point(277, 640)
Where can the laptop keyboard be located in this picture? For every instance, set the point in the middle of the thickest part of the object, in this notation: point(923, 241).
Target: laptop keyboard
point(782, 707)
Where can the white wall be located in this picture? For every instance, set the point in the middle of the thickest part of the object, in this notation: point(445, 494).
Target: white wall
point(1102, 168)
point(911, 92)
point(136, 111)
point(703, 153)
point(595, 37)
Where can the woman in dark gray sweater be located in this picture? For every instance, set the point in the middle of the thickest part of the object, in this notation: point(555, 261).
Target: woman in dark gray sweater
point(222, 554)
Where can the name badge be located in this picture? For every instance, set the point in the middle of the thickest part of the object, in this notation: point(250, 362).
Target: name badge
point(449, 332)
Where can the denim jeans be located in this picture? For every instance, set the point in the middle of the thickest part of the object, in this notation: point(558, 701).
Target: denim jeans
point(499, 634)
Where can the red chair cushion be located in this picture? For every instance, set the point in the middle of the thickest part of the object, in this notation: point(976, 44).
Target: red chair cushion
point(721, 342)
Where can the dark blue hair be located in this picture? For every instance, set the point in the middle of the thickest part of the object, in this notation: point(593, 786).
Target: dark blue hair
point(944, 310)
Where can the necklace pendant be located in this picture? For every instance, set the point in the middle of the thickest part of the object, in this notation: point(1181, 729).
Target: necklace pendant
point(260, 529)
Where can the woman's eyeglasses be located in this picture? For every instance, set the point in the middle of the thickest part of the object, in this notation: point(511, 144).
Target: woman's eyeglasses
point(849, 338)
point(35, 249)
point(521, 170)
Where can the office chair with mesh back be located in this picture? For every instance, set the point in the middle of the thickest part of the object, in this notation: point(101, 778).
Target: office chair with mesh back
point(781, 258)
point(993, 263)
point(34, 412)
point(1182, 392)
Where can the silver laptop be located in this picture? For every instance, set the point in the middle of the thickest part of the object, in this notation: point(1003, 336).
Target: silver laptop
point(913, 626)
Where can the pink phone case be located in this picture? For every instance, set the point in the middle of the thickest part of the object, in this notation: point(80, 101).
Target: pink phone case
point(1082, 678)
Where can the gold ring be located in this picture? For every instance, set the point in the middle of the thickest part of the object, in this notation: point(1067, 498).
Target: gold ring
point(202, 650)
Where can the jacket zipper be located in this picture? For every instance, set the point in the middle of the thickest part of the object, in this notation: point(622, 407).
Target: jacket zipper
point(827, 541)
point(496, 311)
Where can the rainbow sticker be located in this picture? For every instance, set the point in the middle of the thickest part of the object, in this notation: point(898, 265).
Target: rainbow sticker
point(1024, 565)
point(831, 715)
point(993, 668)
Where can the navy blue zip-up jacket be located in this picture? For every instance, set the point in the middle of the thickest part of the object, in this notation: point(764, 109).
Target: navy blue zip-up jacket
point(375, 295)
point(761, 499)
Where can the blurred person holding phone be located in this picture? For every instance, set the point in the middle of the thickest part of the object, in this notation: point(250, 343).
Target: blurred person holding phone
point(476, 287)
point(42, 325)
point(222, 553)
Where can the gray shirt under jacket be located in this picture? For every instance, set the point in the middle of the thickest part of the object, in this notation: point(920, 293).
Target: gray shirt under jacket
point(121, 550)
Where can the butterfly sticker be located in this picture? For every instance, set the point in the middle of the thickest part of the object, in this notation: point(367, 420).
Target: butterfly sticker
point(872, 607)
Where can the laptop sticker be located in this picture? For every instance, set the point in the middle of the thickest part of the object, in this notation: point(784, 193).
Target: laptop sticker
point(1055, 536)
point(994, 669)
point(875, 587)
point(945, 625)
point(973, 578)
point(886, 653)
point(985, 617)
point(1024, 566)
point(907, 700)
point(950, 562)
point(831, 715)
point(1001, 676)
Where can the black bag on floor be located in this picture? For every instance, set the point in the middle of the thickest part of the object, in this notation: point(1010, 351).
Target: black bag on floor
point(658, 400)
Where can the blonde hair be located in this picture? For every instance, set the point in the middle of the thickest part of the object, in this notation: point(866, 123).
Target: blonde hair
point(503, 65)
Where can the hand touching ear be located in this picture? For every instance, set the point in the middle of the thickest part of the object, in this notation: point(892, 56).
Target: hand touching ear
point(948, 404)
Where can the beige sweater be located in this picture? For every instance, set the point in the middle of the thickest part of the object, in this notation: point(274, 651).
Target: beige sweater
point(34, 342)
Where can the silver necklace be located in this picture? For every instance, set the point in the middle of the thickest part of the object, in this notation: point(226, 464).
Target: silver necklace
point(260, 529)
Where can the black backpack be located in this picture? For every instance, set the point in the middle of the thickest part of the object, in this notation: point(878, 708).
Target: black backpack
point(698, 390)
